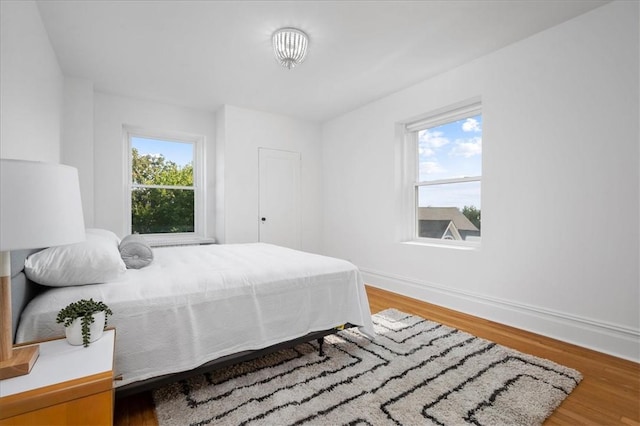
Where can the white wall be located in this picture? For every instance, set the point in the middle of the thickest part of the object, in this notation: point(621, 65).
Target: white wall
point(560, 200)
point(111, 113)
point(221, 142)
point(240, 133)
point(77, 138)
point(31, 86)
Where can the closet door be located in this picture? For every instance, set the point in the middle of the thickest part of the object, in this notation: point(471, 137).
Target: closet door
point(279, 216)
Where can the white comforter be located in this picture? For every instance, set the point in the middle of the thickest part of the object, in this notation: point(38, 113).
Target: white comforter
point(197, 303)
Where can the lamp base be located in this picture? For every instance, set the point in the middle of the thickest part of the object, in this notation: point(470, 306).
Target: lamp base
point(20, 363)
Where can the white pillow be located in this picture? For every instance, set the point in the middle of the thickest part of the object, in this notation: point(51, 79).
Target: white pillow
point(104, 233)
point(95, 260)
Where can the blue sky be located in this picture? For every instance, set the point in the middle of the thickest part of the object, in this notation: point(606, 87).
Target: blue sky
point(451, 150)
point(180, 153)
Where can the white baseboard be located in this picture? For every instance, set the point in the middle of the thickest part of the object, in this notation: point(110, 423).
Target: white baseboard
point(612, 339)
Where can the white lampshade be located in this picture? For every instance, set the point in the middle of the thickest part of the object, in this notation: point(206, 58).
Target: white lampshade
point(40, 205)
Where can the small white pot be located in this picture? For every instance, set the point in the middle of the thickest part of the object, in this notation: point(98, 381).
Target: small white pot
point(74, 331)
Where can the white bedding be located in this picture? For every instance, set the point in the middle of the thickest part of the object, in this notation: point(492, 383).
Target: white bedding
point(197, 303)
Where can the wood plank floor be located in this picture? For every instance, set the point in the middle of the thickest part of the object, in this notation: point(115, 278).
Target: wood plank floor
point(609, 394)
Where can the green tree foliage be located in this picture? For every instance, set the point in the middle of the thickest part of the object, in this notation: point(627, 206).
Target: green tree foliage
point(161, 210)
point(473, 214)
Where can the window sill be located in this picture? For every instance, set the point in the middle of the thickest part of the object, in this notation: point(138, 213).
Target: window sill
point(443, 244)
point(177, 240)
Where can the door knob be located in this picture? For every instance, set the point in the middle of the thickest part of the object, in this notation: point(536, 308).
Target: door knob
point(264, 219)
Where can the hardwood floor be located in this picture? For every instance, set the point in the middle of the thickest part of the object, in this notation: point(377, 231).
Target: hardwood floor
point(609, 394)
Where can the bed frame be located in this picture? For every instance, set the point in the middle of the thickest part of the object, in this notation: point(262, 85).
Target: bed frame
point(223, 362)
point(23, 290)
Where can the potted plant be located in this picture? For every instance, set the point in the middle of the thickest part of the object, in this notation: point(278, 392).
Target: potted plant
point(84, 321)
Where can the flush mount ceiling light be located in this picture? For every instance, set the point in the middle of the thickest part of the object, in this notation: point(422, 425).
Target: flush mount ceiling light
point(290, 46)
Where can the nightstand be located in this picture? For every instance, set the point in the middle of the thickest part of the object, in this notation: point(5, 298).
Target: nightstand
point(68, 385)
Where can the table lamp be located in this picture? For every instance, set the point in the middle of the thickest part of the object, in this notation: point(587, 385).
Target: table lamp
point(40, 207)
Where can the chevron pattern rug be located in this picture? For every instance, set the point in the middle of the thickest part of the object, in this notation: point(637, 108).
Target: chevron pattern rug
point(415, 372)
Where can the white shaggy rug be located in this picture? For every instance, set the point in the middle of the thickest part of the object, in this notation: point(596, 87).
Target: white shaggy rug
point(415, 372)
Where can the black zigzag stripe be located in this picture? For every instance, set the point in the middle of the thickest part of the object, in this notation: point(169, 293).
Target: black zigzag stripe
point(485, 370)
point(333, 407)
point(329, 388)
point(264, 397)
point(328, 410)
point(356, 360)
point(357, 422)
point(415, 348)
point(345, 336)
point(425, 362)
point(193, 403)
point(471, 414)
point(426, 381)
point(412, 336)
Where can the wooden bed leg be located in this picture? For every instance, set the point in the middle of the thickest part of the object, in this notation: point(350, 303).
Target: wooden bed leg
point(320, 344)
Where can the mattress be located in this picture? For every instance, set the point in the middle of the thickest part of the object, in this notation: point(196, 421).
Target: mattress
point(194, 304)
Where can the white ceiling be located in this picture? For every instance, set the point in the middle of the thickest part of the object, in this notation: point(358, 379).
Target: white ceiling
point(204, 54)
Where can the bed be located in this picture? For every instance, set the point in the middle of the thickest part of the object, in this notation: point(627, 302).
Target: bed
point(200, 307)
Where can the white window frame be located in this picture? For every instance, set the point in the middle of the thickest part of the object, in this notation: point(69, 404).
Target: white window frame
point(198, 142)
point(411, 128)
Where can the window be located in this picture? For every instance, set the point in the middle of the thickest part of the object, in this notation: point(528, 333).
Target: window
point(164, 196)
point(447, 148)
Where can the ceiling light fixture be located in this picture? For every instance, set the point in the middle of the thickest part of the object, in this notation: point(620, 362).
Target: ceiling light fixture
point(290, 46)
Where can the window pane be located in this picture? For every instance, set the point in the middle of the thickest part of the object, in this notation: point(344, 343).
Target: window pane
point(157, 162)
point(155, 210)
point(451, 150)
point(449, 211)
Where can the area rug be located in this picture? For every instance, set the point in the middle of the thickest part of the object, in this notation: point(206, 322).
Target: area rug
point(415, 372)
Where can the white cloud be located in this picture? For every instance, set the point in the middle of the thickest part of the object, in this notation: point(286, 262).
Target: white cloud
point(430, 167)
point(432, 139)
point(467, 147)
point(471, 125)
point(425, 151)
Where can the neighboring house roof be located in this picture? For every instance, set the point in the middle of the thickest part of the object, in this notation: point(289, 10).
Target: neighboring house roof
point(446, 214)
point(434, 228)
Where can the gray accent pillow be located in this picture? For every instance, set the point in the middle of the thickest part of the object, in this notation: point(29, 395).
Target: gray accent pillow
point(135, 251)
